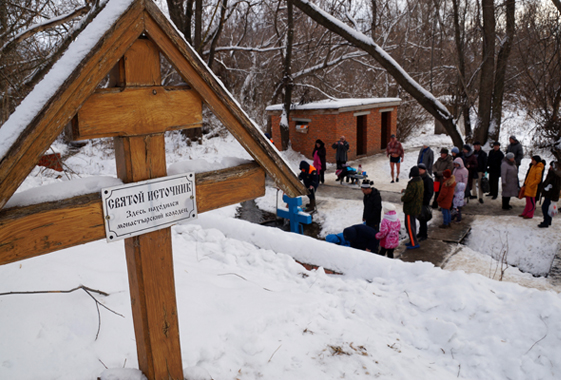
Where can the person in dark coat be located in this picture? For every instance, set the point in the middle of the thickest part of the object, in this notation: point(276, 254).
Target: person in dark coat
point(550, 192)
point(470, 163)
point(428, 190)
point(412, 199)
point(320, 149)
point(509, 180)
point(426, 157)
point(309, 176)
point(481, 157)
point(457, 154)
point(362, 237)
point(342, 146)
point(372, 200)
point(494, 169)
point(445, 161)
point(515, 148)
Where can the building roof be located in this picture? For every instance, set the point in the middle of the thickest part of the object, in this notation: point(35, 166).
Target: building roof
point(339, 105)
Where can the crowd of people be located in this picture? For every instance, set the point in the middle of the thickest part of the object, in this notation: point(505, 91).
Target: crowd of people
point(447, 183)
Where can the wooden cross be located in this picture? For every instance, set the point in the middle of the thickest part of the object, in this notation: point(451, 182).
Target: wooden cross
point(137, 114)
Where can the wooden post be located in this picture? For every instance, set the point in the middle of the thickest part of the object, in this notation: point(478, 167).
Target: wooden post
point(149, 256)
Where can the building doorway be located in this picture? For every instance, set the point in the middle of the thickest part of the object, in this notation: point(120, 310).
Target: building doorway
point(361, 136)
point(386, 126)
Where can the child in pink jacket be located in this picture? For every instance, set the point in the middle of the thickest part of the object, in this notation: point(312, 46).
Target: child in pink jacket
point(389, 231)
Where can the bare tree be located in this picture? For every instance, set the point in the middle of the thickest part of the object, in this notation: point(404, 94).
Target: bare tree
point(539, 57)
point(500, 73)
point(425, 99)
point(33, 36)
point(487, 75)
point(459, 39)
point(288, 84)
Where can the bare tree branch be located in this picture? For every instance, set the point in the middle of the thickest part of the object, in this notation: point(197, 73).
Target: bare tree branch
point(44, 26)
point(425, 98)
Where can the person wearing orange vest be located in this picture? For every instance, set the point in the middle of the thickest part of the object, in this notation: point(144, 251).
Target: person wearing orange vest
point(309, 175)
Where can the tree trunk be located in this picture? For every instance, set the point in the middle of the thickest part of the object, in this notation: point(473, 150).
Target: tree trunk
point(425, 99)
point(459, 32)
point(216, 36)
point(287, 77)
point(502, 62)
point(198, 26)
point(487, 72)
point(181, 13)
point(374, 8)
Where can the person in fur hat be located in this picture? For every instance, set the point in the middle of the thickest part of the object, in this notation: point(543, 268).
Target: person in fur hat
point(445, 198)
point(389, 231)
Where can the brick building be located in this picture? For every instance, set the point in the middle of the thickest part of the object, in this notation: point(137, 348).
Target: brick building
point(367, 125)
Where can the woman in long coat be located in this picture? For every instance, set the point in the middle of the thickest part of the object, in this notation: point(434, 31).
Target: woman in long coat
point(533, 179)
point(509, 180)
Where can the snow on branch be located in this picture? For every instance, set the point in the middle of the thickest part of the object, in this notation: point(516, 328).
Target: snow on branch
point(333, 62)
point(367, 44)
point(34, 29)
point(317, 89)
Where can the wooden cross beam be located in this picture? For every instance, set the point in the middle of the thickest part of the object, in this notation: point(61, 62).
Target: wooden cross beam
point(63, 224)
point(141, 156)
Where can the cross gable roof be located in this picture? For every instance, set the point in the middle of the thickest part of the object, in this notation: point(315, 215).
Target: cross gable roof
point(53, 103)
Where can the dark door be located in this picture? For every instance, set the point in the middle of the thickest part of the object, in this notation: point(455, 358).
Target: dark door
point(361, 135)
point(386, 129)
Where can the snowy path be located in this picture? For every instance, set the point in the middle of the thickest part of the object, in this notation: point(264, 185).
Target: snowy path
point(446, 248)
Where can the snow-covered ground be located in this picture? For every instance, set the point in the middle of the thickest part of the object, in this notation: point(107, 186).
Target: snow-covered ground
point(247, 310)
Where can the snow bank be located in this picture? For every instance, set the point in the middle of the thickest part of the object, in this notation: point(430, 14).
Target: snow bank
point(247, 312)
point(516, 241)
point(201, 165)
point(62, 190)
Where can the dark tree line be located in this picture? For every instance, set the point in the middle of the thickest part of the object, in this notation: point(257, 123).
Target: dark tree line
point(457, 61)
